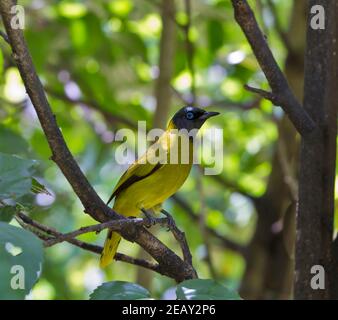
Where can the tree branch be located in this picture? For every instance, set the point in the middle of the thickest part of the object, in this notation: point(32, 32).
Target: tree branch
point(114, 225)
point(28, 223)
point(318, 157)
point(282, 94)
point(181, 239)
point(93, 205)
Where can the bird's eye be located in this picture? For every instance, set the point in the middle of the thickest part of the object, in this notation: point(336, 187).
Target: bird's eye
point(189, 115)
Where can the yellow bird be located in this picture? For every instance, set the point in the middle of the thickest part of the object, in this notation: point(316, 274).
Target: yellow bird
point(157, 175)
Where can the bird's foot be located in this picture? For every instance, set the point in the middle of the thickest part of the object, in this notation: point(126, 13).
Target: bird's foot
point(150, 219)
point(170, 220)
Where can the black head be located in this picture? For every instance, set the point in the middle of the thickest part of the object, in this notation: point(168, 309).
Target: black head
point(191, 118)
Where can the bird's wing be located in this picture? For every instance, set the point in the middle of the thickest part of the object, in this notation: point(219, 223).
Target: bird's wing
point(140, 169)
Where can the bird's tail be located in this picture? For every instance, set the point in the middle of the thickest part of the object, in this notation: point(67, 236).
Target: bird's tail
point(110, 247)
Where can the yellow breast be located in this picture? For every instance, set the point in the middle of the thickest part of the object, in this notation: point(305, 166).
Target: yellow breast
point(164, 182)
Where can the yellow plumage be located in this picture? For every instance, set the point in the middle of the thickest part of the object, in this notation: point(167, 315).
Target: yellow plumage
point(157, 175)
point(147, 183)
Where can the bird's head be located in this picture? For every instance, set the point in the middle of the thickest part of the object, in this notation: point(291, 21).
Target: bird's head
point(190, 118)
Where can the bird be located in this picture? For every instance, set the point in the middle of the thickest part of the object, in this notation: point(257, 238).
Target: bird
point(154, 177)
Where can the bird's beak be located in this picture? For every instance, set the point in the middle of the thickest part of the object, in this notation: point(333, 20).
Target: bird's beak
point(208, 115)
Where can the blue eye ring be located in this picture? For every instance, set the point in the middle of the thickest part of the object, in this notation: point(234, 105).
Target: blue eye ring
point(190, 115)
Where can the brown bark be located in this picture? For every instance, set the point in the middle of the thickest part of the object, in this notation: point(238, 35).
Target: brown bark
point(318, 157)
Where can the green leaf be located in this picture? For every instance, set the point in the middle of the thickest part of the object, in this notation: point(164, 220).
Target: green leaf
point(204, 289)
point(119, 290)
point(11, 142)
point(7, 213)
point(37, 187)
point(21, 254)
point(15, 176)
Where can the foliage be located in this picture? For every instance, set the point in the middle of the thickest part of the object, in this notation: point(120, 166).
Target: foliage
point(198, 289)
point(16, 175)
point(119, 290)
point(99, 58)
point(204, 289)
point(18, 248)
point(7, 213)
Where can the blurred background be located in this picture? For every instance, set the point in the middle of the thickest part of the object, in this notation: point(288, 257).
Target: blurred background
point(107, 64)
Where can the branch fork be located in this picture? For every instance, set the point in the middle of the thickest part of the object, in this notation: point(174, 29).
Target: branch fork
point(51, 237)
point(281, 94)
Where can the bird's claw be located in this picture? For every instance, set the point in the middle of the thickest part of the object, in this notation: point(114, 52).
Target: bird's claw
point(170, 220)
point(150, 220)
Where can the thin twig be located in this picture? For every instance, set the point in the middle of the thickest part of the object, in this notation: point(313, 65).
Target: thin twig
point(265, 94)
point(181, 239)
point(113, 225)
